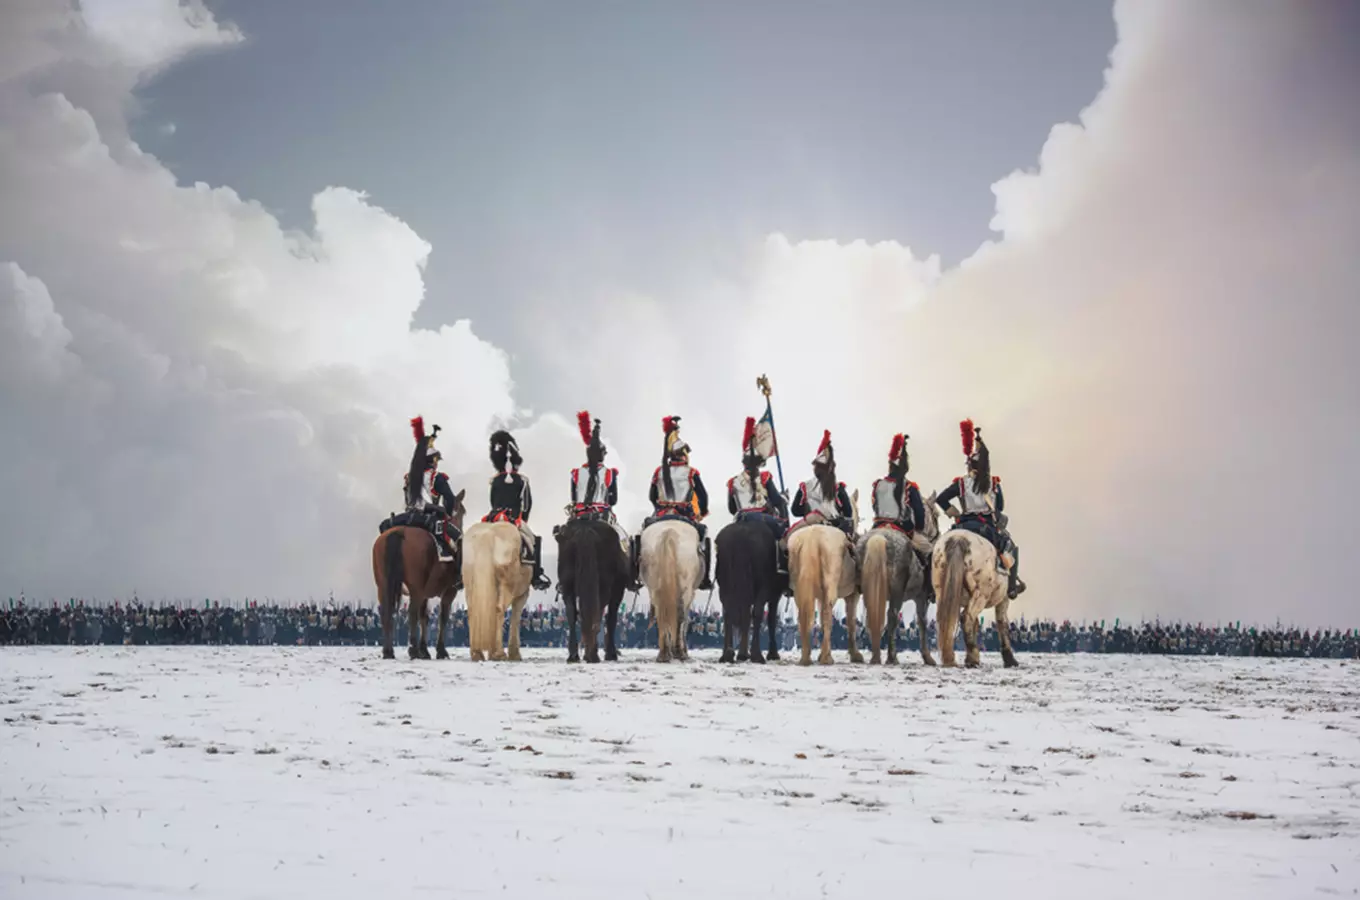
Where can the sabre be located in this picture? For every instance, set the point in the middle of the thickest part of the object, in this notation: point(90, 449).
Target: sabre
point(764, 384)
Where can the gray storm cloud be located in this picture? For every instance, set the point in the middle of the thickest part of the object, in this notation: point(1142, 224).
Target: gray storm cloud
point(198, 402)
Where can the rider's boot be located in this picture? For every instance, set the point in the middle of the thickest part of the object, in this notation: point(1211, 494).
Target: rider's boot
point(1016, 586)
point(707, 583)
point(539, 581)
point(442, 543)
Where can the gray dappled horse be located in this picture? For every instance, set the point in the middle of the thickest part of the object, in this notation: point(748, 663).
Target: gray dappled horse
point(890, 575)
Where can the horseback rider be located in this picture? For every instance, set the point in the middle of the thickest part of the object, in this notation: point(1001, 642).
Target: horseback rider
point(427, 489)
point(595, 491)
point(677, 491)
point(982, 504)
point(751, 495)
point(823, 494)
point(511, 500)
point(897, 504)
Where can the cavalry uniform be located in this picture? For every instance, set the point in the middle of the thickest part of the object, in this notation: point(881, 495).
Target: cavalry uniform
point(595, 491)
point(830, 504)
point(982, 503)
point(512, 501)
point(677, 491)
point(897, 504)
point(431, 494)
point(751, 494)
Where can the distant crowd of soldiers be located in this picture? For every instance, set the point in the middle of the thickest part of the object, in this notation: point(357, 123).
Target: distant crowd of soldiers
point(312, 625)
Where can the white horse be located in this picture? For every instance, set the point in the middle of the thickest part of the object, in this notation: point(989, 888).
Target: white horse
point(822, 569)
point(495, 578)
point(670, 567)
point(967, 581)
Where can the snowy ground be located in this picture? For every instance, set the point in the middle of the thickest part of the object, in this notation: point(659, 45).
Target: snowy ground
point(293, 773)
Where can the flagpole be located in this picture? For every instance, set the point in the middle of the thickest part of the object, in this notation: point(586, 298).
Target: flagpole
point(764, 384)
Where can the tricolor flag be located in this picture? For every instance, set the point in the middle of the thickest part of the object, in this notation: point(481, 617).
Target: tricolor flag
point(764, 437)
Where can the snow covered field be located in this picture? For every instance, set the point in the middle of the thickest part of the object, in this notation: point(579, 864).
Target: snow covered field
point(295, 773)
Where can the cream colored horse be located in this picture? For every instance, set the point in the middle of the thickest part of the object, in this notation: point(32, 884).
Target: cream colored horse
point(670, 568)
point(822, 569)
point(494, 579)
point(967, 581)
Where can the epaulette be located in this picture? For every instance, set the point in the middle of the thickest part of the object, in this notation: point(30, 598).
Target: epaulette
point(731, 481)
point(996, 480)
point(915, 485)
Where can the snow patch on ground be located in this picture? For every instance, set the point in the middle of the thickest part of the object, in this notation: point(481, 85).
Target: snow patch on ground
point(326, 772)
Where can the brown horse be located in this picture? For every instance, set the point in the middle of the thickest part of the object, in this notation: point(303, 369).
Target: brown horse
point(406, 558)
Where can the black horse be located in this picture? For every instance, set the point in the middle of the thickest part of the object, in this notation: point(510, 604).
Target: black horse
point(749, 585)
point(592, 571)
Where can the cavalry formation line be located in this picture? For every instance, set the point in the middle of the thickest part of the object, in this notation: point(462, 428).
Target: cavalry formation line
point(821, 558)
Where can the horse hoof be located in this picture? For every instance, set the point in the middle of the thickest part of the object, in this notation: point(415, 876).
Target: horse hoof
point(389, 653)
point(727, 658)
point(573, 658)
point(857, 659)
point(875, 660)
point(413, 653)
point(515, 657)
point(743, 656)
point(1010, 662)
point(772, 656)
point(758, 659)
point(611, 656)
point(826, 661)
point(805, 661)
point(441, 653)
point(972, 664)
point(929, 661)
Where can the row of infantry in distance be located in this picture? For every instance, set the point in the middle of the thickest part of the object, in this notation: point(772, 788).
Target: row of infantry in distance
point(677, 492)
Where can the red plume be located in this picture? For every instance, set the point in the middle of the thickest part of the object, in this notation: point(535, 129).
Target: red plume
point(896, 451)
point(668, 424)
point(748, 432)
point(966, 431)
point(583, 420)
point(418, 427)
point(826, 441)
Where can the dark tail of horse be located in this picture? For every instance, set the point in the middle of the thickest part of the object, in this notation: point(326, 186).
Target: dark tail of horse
point(394, 569)
point(587, 577)
point(736, 578)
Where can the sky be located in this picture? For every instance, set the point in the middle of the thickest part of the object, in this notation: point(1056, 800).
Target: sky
point(242, 244)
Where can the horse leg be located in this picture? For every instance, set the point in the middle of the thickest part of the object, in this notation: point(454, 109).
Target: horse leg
point(890, 630)
point(749, 612)
point(771, 625)
point(682, 630)
point(1003, 629)
point(611, 621)
point(445, 604)
point(413, 613)
point(971, 658)
point(806, 607)
point(590, 632)
point(728, 627)
point(516, 612)
point(921, 605)
point(385, 607)
point(753, 632)
point(573, 644)
point(852, 626)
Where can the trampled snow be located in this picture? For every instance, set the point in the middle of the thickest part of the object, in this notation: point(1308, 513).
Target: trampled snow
point(310, 772)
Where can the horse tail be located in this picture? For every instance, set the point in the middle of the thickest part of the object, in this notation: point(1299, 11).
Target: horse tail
point(587, 573)
point(735, 574)
point(952, 591)
point(874, 584)
point(394, 568)
point(666, 597)
point(479, 582)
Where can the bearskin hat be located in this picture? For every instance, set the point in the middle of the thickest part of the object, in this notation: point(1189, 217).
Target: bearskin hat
point(503, 448)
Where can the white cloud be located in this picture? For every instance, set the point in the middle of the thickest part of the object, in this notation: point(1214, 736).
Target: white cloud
point(1156, 346)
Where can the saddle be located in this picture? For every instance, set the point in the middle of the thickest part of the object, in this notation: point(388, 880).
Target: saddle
point(501, 515)
point(412, 518)
point(675, 517)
